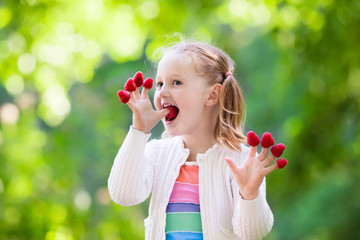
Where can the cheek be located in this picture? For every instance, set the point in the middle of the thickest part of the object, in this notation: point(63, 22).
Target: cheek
point(157, 102)
point(194, 106)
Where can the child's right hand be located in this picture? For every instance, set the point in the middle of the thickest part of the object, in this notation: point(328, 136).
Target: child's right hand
point(145, 117)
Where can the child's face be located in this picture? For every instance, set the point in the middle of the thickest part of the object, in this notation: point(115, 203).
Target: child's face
point(178, 85)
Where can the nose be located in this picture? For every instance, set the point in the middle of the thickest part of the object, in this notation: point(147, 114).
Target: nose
point(164, 91)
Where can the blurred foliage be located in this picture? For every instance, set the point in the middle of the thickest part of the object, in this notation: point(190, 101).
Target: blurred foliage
point(62, 61)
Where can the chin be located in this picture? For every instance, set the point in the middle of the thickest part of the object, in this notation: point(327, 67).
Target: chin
point(170, 132)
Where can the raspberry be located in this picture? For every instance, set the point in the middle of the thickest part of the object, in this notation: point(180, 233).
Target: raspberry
point(281, 163)
point(172, 114)
point(130, 85)
point(124, 96)
point(278, 149)
point(148, 83)
point(267, 140)
point(252, 139)
point(138, 79)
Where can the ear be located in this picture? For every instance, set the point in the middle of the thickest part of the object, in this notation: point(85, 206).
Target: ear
point(213, 96)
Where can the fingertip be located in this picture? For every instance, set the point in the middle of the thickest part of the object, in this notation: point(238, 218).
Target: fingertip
point(273, 168)
point(281, 163)
point(164, 112)
point(232, 165)
point(228, 161)
point(124, 96)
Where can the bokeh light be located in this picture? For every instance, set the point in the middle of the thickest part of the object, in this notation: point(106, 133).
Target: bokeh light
point(9, 113)
point(26, 63)
point(15, 84)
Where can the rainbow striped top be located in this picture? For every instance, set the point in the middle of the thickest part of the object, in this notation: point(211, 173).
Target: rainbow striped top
point(183, 220)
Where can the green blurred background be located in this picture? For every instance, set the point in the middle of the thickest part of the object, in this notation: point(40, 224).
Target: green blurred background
point(61, 124)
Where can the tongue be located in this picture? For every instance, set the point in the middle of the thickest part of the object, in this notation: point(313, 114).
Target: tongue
point(173, 112)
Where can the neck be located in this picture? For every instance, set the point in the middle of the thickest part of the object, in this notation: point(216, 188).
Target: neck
point(197, 145)
point(201, 140)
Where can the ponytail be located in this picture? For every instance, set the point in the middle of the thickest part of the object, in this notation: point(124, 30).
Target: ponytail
point(228, 127)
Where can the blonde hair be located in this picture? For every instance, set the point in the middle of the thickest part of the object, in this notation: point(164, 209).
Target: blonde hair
point(218, 68)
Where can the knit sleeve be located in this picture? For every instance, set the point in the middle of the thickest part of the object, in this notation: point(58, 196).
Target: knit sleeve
point(252, 219)
point(131, 175)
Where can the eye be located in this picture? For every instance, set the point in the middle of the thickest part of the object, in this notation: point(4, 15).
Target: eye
point(176, 82)
point(159, 84)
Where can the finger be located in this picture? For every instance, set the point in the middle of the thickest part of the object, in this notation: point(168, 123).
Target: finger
point(232, 165)
point(163, 112)
point(268, 160)
point(130, 103)
point(252, 152)
point(137, 93)
point(263, 154)
point(145, 93)
point(270, 169)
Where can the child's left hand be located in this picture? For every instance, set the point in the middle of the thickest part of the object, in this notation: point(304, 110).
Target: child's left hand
point(251, 174)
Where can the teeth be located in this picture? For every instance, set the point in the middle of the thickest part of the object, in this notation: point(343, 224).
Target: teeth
point(167, 105)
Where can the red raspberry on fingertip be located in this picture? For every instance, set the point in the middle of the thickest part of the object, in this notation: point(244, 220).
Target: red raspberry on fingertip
point(252, 139)
point(130, 85)
point(281, 163)
point(138, 79)
point(124, 96)
point(267, 140)
point(148, 83)
point(278, 149)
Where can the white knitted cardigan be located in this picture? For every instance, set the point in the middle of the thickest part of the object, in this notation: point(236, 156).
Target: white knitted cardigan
point(140, 168)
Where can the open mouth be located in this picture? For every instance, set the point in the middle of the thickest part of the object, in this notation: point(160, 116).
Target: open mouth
point(173, 112)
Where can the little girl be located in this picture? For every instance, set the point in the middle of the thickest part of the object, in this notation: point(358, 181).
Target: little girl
point(205, 183)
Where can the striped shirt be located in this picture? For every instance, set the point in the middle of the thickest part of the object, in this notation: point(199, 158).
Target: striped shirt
point(183, 220)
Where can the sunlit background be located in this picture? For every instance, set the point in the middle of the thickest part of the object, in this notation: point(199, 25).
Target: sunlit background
point(61, 124)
